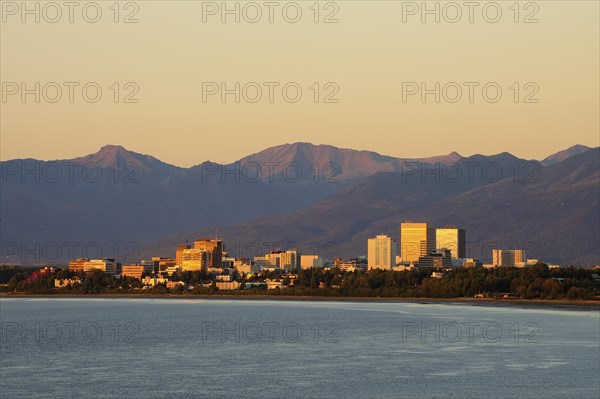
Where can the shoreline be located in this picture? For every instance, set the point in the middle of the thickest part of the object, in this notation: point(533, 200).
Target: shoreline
point(529, 303)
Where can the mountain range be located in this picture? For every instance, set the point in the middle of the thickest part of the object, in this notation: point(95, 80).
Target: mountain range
point(318, 198)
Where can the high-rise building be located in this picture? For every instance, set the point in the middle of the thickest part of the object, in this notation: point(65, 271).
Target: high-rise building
point(193, 259)
point(179, 253)
point(382, 252)
point(453, 239)
point(507, 257)
point(291, 260)
point(286, 260)
point(205, 253)
point(214, 249)
point(416, 240)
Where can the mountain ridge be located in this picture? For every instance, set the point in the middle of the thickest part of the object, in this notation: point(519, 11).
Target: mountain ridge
point(564, 154)
point(110, 152)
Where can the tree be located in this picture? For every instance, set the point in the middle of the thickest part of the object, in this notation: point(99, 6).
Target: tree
point(576, 293)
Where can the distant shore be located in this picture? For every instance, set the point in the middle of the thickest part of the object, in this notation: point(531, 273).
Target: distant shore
point(541, 303)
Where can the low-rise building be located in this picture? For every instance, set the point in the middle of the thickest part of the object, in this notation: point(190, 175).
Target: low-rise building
point(437, 259)
point(228, 285)
point(76, 265)
point(150, 266)
point(47, 270)
point(175, 284)
point(215, 271)
point(255, 284)
point(106, 265)
point(244, 266)
point(352, 266)
point(134, 271)
point(152, 281)
point(261, 262)
point(163, 263)
point(227, 262)
point(471, 262)
point(272, 269)
point(273, 284)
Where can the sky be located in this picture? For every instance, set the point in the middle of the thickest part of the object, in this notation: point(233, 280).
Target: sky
point(150, 76)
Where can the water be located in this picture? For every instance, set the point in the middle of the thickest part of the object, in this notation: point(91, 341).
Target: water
point(212, 348)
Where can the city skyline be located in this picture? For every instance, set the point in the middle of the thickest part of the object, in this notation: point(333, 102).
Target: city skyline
point(423, 246)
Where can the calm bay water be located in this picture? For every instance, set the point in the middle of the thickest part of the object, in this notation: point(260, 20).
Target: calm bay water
point(212, 348)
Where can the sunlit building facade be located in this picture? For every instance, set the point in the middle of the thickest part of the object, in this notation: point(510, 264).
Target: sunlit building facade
point(106, 265)
point(453, 239)
point(381, 253)
point(76, 265)
point(508, 257)
point(286, 260)
point(214, 248)
point(205, 253)
point(416, 240)
point(134, 271)
point(193, 259)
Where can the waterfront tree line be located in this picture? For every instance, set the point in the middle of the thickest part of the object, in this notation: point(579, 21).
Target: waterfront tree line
point(533, 282)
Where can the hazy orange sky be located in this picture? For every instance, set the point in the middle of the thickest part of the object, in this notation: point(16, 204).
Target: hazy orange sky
point(369, 58)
